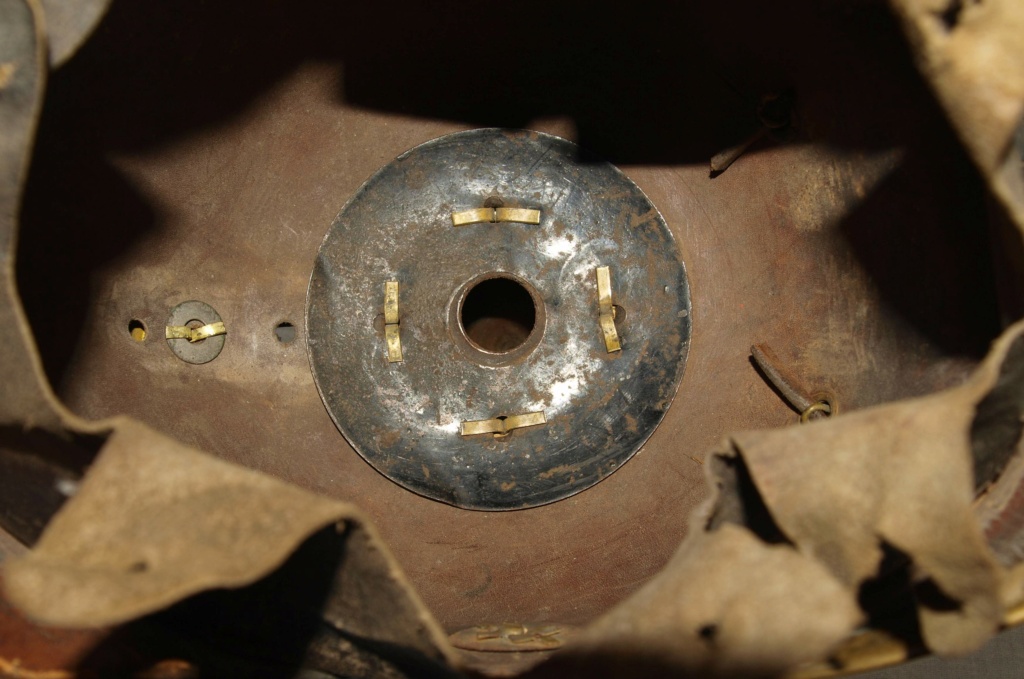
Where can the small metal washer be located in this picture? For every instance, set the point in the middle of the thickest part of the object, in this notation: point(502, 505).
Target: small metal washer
point(205, 350)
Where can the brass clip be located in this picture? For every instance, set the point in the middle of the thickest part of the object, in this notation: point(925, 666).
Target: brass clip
point(494, 215)
point(823, 407)
point(391, 322)
point(502, 426)
point(195, 334)
point(783, 381)
point(607, 310)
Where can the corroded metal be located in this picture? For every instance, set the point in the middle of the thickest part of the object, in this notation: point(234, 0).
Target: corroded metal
point(406, 419)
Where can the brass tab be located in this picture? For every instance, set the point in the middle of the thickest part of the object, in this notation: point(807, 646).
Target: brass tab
point(391, 302)
point(195, 334)
point(512, 637)
point(823, 407)
point(493, 215)
point(392, 322)
point(502, 426)
point(607, 310)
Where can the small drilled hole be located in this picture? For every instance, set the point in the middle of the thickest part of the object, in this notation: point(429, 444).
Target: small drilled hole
point(138, 567)
point(498, 315)
point(137, 330)
point(285, 332)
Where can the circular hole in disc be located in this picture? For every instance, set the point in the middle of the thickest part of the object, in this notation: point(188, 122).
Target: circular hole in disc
point(498, 315)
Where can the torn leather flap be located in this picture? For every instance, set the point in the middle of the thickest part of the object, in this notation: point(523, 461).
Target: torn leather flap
point(726, 604)
point(972, 54)
point(25, 400)
point(69, 23)
point(900, 475)
point(155, 522)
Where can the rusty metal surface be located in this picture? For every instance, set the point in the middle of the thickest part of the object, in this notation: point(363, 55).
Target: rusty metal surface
point(805, 247)
point(598, 407)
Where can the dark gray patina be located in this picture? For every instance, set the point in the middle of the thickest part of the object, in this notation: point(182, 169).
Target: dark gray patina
point(404, 418)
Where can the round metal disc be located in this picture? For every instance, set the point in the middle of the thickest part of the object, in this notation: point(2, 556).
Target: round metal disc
point(202, 351)
point(405, 418)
